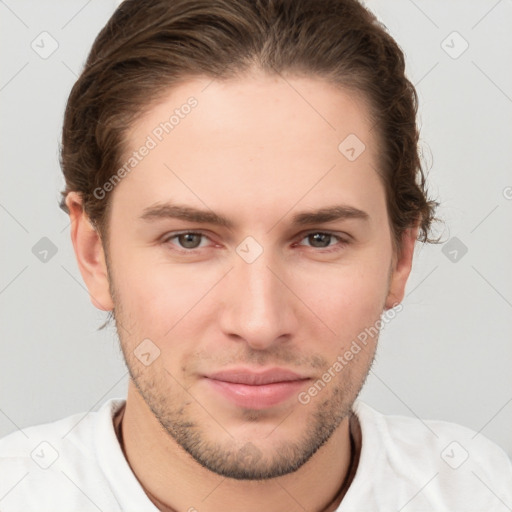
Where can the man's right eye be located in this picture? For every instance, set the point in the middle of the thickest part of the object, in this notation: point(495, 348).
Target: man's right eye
point(187, 240)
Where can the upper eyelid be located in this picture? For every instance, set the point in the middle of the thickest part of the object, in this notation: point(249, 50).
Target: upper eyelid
point(322, 231)
point(302, 234)
point(342, 237)
point(174, 234)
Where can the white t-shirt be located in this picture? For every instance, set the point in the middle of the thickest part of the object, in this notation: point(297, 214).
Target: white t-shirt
point(76, 465)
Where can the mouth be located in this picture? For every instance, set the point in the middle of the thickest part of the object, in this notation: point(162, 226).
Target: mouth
point(256, 390)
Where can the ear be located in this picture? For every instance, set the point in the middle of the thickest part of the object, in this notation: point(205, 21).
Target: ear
point(89, 253)
point(401, 267)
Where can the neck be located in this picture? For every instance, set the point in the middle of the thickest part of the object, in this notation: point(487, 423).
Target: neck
point(163, 467)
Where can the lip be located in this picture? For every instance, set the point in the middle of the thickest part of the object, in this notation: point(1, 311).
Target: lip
point(256, 389)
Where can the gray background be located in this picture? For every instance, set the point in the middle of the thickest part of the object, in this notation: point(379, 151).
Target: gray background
point(447, 355)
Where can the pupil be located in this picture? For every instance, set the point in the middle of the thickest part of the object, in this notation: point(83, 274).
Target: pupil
point(320, 239)
point(190, 240)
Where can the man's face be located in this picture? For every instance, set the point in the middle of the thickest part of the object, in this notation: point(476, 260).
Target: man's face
point(271, 290)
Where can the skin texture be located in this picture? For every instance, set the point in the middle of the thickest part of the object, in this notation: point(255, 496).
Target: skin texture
point(257, 150)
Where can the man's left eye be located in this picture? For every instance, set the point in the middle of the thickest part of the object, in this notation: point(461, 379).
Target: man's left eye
point(321, 240)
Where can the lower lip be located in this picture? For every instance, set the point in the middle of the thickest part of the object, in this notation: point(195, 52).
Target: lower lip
point(257, 397)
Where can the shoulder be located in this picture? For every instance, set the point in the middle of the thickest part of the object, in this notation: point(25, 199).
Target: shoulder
point(435, 462)
point(71, 433)
point(43, 461)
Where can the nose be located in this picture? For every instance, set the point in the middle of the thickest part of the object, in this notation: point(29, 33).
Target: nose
point(257, 306)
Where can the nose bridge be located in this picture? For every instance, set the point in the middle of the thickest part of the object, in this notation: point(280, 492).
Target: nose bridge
point(257, 307)
point(261, 286)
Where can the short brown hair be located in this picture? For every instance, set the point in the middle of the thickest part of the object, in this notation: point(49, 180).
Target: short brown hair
point(147, 46)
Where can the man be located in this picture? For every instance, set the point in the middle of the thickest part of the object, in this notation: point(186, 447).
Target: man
point(245, 194)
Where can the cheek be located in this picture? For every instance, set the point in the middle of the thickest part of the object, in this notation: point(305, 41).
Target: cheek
point(159, 299)
point(347, 299)
point(161, 306)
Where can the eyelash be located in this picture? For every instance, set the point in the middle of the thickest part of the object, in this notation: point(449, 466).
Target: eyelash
point(342, 242)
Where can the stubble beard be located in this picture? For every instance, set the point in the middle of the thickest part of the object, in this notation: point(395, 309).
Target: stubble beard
point(270, 457)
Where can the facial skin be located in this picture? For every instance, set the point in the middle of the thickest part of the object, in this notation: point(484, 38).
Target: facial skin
point(258, 151)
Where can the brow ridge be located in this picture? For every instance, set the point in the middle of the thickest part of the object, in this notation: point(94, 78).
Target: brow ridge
point(187, 213)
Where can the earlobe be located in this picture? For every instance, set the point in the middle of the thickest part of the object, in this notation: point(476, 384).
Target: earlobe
point(89, 254)
point(402, 264)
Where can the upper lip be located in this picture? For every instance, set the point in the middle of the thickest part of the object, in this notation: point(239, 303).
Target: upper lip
point(256, 378)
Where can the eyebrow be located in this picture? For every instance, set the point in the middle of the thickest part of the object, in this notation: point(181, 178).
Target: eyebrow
point(187, 213)
point(165, 210)
point(329, 214)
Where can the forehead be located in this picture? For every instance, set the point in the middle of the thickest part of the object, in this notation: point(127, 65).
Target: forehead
point(261, 142)
point(284, 111)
